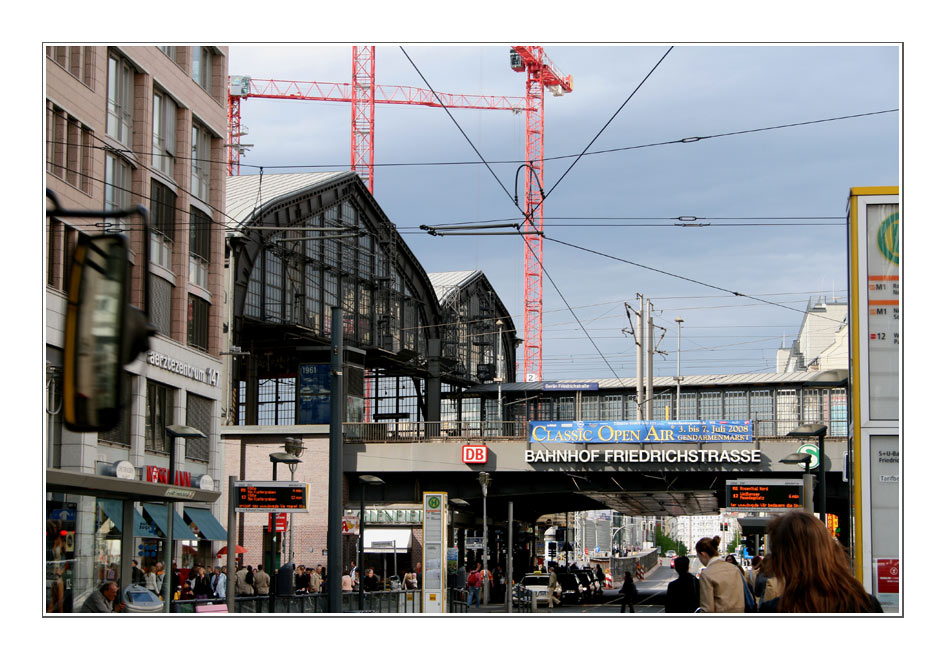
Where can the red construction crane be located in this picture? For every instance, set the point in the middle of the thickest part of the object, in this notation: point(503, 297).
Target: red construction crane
point(363, 106)
point(540, 74)
point(363, 94)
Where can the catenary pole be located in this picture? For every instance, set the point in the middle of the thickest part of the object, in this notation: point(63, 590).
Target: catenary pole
point(334, 536)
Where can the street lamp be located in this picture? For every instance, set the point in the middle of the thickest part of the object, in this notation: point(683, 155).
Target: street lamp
point(364, 480)
point(802, 458)
point(815, 429)
point(174, 432)
point(484, 479)
point(291, 460)
point(295, 447)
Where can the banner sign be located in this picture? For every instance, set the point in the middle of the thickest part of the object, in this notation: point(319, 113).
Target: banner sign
point(642, 431)
point(313, 394)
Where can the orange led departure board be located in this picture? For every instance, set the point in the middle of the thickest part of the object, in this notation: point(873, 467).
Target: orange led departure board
point(764, 494)
point(271, 497)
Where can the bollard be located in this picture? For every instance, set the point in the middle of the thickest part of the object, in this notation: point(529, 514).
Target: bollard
point(533, 602)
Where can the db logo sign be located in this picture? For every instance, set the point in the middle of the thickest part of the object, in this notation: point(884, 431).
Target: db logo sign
point(474, 454)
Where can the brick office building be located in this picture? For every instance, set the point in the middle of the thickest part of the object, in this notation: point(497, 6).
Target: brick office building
point(125, 126)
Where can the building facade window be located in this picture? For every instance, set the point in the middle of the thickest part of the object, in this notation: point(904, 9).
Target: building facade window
point(118, 182)
point(200, 412)
point(159, 413)
point(121, 99)
point(735, 406)
point(200, 239)
point(711, 406)
point(198, 322)
point(761, 412)
point(69, 149)
point(163, 202)
point(787, 411)
point(663, 407)
point(77, 60)
point(162, 293)
point(200, 162)
point(202, 66)
point(121, 434)
point(164, 133)
point(688, 406)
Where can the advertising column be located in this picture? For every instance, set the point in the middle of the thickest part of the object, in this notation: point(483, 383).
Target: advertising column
point(875, 337)
point(434, 539)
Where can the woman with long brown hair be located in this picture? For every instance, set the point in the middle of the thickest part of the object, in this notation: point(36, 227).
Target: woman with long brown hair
point(813, 570)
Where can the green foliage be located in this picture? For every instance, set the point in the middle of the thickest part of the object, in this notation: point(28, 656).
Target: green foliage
point(665, 543)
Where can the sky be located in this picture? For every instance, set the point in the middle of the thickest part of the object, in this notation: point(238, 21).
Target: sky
point(775, 199)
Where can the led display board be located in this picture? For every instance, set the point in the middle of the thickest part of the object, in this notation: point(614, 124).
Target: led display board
point(271, 497)
point(764, 494)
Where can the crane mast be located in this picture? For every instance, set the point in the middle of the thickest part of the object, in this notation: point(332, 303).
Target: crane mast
point(540, 74)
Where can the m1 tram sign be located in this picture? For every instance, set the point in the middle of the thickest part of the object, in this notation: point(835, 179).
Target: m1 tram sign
point(271, 497)
point(764, 495)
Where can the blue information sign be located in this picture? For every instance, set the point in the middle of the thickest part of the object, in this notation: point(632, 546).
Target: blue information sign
point(642, 431)
point(313, 394)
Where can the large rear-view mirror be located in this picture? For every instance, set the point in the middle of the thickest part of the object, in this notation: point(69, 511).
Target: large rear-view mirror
point(95, 351)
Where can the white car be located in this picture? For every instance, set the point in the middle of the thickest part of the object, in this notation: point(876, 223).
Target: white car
point(539, 584)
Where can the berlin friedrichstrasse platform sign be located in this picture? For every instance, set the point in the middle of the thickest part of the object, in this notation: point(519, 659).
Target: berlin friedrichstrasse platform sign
point(271, 497)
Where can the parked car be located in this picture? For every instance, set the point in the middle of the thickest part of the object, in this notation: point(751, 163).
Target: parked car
point(671, 554)
point(539, 583)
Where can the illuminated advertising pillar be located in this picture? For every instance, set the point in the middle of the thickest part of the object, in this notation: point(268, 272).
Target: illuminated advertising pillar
point(434, 541)
point(875, 343)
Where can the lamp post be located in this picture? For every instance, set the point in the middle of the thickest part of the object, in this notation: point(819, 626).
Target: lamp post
point(815, 429)
point(174, 432)
point(484, 479)
point(678, 378)
point(364, 480)
point(797, 458)
point(499, 377)
point(277, 458)
point(295, 447)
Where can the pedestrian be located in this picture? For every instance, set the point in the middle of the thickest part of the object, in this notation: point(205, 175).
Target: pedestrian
point(103, 600)
point(185, 593)
point(137, 575)
point(371, 581)
point(261, 581)
point(151, 581)
point(214, 578)
point(220, 590)
point(417, 574)
point(813, 570)
point(410, 581)
point(244, 584)
point(721, 584)
point(159, 577)
point(460, 579)
point(683, 593)
point(553, 588)
point(301, 580)
point(752, 574)
point(347, 583)
point(474, 583)
point(315, 581)
point(202, 587)
point(628, 593)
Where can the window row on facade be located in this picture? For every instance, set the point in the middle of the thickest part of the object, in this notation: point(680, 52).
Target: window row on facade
point(158, 414)
point(775, 411)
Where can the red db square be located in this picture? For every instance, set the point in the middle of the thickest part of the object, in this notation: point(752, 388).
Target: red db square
point(474, 454)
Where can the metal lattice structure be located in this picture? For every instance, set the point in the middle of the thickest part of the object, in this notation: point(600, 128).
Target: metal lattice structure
point(540, 74)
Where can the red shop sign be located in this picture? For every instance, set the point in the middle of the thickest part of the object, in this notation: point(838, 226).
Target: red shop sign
point(889, 575)
point(474, 454)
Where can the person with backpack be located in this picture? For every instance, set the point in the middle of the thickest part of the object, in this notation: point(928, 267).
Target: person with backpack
point(683, 593)
point(474, 583)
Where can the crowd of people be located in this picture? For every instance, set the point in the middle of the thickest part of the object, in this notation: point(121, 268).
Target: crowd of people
point(805, 570)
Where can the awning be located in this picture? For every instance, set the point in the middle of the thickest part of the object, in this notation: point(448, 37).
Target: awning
point(159, 516)
point(206, 523)
point(379, 540)
point(113, 510)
